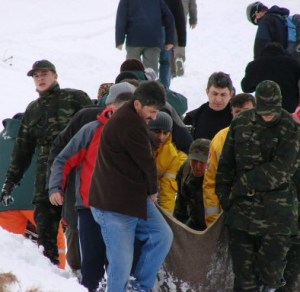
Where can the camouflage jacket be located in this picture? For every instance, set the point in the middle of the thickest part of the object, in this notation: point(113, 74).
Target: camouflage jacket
point(43, 119)
point(189, 208)
point(254, 174)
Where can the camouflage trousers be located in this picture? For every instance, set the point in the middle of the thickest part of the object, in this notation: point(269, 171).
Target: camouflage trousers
point(257, 260)
point(292, 269)
point(47, 218)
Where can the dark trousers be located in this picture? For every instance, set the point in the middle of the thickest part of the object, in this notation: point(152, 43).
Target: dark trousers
point(258, 260)
point(93, 256)
point(47, 218)
point(292, 269)
point(73, 248)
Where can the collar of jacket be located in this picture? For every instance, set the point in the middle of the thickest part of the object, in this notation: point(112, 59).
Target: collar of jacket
point(160, 149)
point(105, 115)
point(255, 118)
point(52, 89)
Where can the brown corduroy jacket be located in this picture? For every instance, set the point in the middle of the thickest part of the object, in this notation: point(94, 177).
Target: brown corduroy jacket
point(125, 171)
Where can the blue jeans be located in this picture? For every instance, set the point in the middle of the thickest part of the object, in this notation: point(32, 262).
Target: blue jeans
point(119, 233)
point(165, 67)
point(165, 59)
point(93, 257)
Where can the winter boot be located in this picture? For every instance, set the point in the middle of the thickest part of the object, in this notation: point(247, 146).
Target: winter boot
point(136, 287)
point(179, 67)
point(266, 289)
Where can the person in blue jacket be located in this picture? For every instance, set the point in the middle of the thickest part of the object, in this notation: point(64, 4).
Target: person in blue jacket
point(271, 24)
point(140, 22)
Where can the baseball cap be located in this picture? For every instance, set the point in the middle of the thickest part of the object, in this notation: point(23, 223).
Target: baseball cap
point(268, 98)
point(199, 150)
point(39, 65)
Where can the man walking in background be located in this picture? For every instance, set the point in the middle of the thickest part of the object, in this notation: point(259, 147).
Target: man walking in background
point(190, 12)
point(166, 56)
point(141, 23)
point(274, 64)
point(271, 24)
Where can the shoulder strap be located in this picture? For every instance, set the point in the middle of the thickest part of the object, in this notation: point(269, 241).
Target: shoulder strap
point(186, 171)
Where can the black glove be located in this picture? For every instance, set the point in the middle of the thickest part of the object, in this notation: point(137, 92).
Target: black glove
point(5, 196)
point(225, 203)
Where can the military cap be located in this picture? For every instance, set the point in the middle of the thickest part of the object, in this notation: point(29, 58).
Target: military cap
point(163, 122)
point(199, 150)
point(40, 65)
point(268, 98)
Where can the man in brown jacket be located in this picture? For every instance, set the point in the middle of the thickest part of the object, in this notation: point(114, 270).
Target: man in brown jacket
point(123, 191)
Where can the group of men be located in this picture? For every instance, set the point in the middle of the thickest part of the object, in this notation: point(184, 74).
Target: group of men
point(125, 159)
point(129, 188)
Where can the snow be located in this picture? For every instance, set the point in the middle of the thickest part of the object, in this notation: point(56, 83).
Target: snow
point(34, 272)
point(78, 37)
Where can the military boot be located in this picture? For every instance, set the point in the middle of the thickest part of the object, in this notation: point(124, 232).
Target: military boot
point(266, 289)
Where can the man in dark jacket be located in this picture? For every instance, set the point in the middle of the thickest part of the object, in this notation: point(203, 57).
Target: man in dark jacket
point(256, 191)
point(214, 115)
point(189, 208)
point(271, 25)
point(123, 191)
point(43, 120)
point(275, 65)
point(141, 23)
point(190, 13)
point(165, 58)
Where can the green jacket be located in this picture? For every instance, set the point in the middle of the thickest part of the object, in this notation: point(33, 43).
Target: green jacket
point(43, 120)
point(177, 100)
point(254, 176)
point(23, 194)
point(189, 208)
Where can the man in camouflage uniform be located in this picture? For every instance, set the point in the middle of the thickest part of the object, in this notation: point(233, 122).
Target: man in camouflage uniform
point(256, 191)
point(189, 208)
point(43, 119)
point(292, 269)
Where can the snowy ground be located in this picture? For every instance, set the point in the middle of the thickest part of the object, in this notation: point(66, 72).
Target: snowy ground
point(34, 272)
point(78, 37)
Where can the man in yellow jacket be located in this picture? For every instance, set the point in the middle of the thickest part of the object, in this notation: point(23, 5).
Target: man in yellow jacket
point(238, 103)
point(168, 159)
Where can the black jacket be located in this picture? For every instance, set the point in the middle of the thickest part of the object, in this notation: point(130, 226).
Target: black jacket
point(206, 123)
point(274, 65)
point(271, 28)
point(177, 10)
point(125, 170)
